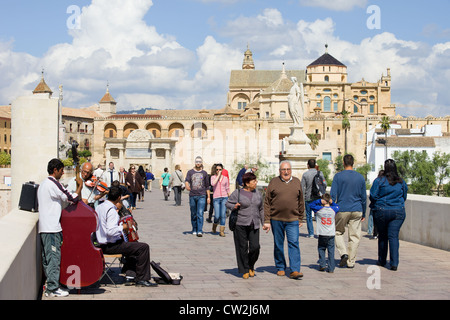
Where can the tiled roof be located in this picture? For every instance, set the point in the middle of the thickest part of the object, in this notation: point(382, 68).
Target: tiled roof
point(260, 78)
point(80, 113)
point(326, 60)
point(107, 98)
point(5, 112)
point(408, 142)
point(42, 87)
point(282, 85)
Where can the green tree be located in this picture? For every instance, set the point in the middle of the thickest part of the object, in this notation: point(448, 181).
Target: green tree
point(323, 166)
point(423, 178)
point(339, 164)
point(403, 162)
point(446, 189)
point(264, 173)
point(314, 138)
point(5, 159)
point(345, 127)
point(441, 164)
point(364, 170)
point(385, 125)
point(417, 169)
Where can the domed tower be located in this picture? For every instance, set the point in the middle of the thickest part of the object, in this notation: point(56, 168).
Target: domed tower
point(326, 69)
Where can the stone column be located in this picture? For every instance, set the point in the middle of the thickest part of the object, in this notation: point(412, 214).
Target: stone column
point(168, 160)
point(34, 128)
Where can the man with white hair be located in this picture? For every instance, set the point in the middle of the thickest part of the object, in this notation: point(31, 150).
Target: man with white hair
point(284, 209)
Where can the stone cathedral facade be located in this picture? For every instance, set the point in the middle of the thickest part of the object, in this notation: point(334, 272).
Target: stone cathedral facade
point(254, 123)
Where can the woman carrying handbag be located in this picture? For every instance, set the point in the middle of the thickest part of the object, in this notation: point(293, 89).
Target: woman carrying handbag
point(249, 221)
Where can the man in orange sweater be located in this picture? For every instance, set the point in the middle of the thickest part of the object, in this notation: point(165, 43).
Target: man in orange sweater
point(284, 210)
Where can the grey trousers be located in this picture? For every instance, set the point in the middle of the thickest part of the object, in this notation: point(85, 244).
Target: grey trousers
point(51, 258)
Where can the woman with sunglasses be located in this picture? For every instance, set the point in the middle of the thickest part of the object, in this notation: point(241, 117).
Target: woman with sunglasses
point(221, 192)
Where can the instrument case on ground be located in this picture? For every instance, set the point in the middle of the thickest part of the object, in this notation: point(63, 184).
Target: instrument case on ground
point(28, 197)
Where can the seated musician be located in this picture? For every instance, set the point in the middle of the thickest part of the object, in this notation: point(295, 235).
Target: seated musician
point(110, 236)
point(89, 193)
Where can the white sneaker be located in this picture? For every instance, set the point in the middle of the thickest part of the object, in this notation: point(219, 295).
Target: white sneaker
point(57, 293)
point(194, 233)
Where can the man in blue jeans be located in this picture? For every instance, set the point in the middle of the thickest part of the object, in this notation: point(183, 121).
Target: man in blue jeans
point(197, 183)
point(284, 209)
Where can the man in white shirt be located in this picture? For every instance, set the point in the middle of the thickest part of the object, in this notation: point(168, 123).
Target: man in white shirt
point(52, 196)
point(110, 236)
point(99, 171)
point(110, 175)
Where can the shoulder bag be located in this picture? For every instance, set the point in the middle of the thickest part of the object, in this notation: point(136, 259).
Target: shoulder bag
point(234, 215)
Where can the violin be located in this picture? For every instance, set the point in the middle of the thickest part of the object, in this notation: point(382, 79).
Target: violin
point(94, 182)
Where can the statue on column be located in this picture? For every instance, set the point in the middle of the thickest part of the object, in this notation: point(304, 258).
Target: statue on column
point(296, 103)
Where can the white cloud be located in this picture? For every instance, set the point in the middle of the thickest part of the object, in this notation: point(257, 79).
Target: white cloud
point(115, 44)
point(336, 5)
point(147, 69)
point(271, 17)
point(18, 72)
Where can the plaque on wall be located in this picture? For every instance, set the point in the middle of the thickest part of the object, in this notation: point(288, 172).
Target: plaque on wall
point(138, 153)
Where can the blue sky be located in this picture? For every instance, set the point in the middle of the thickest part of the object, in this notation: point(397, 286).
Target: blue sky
point(178, 54)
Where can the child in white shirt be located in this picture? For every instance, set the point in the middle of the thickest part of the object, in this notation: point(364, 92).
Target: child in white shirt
point(325, 211)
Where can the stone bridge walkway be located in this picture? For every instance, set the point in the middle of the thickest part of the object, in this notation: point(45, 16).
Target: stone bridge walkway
point(209, 269)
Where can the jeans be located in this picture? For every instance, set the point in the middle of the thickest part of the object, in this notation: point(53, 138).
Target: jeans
point(177, 195)
point(280, 229)
point(166, 192)
point(326, 243)
point(371, 226)
point(309, 221)
point(389, 222)
point(197, 205)
point(51, 258)
point(220, 210)
point(133, 197)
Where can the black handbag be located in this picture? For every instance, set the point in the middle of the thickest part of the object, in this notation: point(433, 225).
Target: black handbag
point(234, 215)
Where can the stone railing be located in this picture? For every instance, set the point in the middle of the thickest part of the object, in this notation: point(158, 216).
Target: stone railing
point(20, 263)
point(427, 221)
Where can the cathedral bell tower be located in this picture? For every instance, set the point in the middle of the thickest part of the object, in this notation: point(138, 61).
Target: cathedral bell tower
point(248, 63)
point(107, 104)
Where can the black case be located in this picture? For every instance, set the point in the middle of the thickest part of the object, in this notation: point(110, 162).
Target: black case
point(28, 197)
point(165, 277)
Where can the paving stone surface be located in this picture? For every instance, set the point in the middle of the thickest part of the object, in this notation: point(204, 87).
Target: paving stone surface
point(209, 270)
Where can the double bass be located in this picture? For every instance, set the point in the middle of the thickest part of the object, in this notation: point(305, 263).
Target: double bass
point(82, 263)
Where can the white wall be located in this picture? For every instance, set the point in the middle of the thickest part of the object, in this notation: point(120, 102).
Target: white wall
point(34, 128)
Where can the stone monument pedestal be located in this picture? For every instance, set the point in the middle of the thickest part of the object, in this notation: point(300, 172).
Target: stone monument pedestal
point(298, 151)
